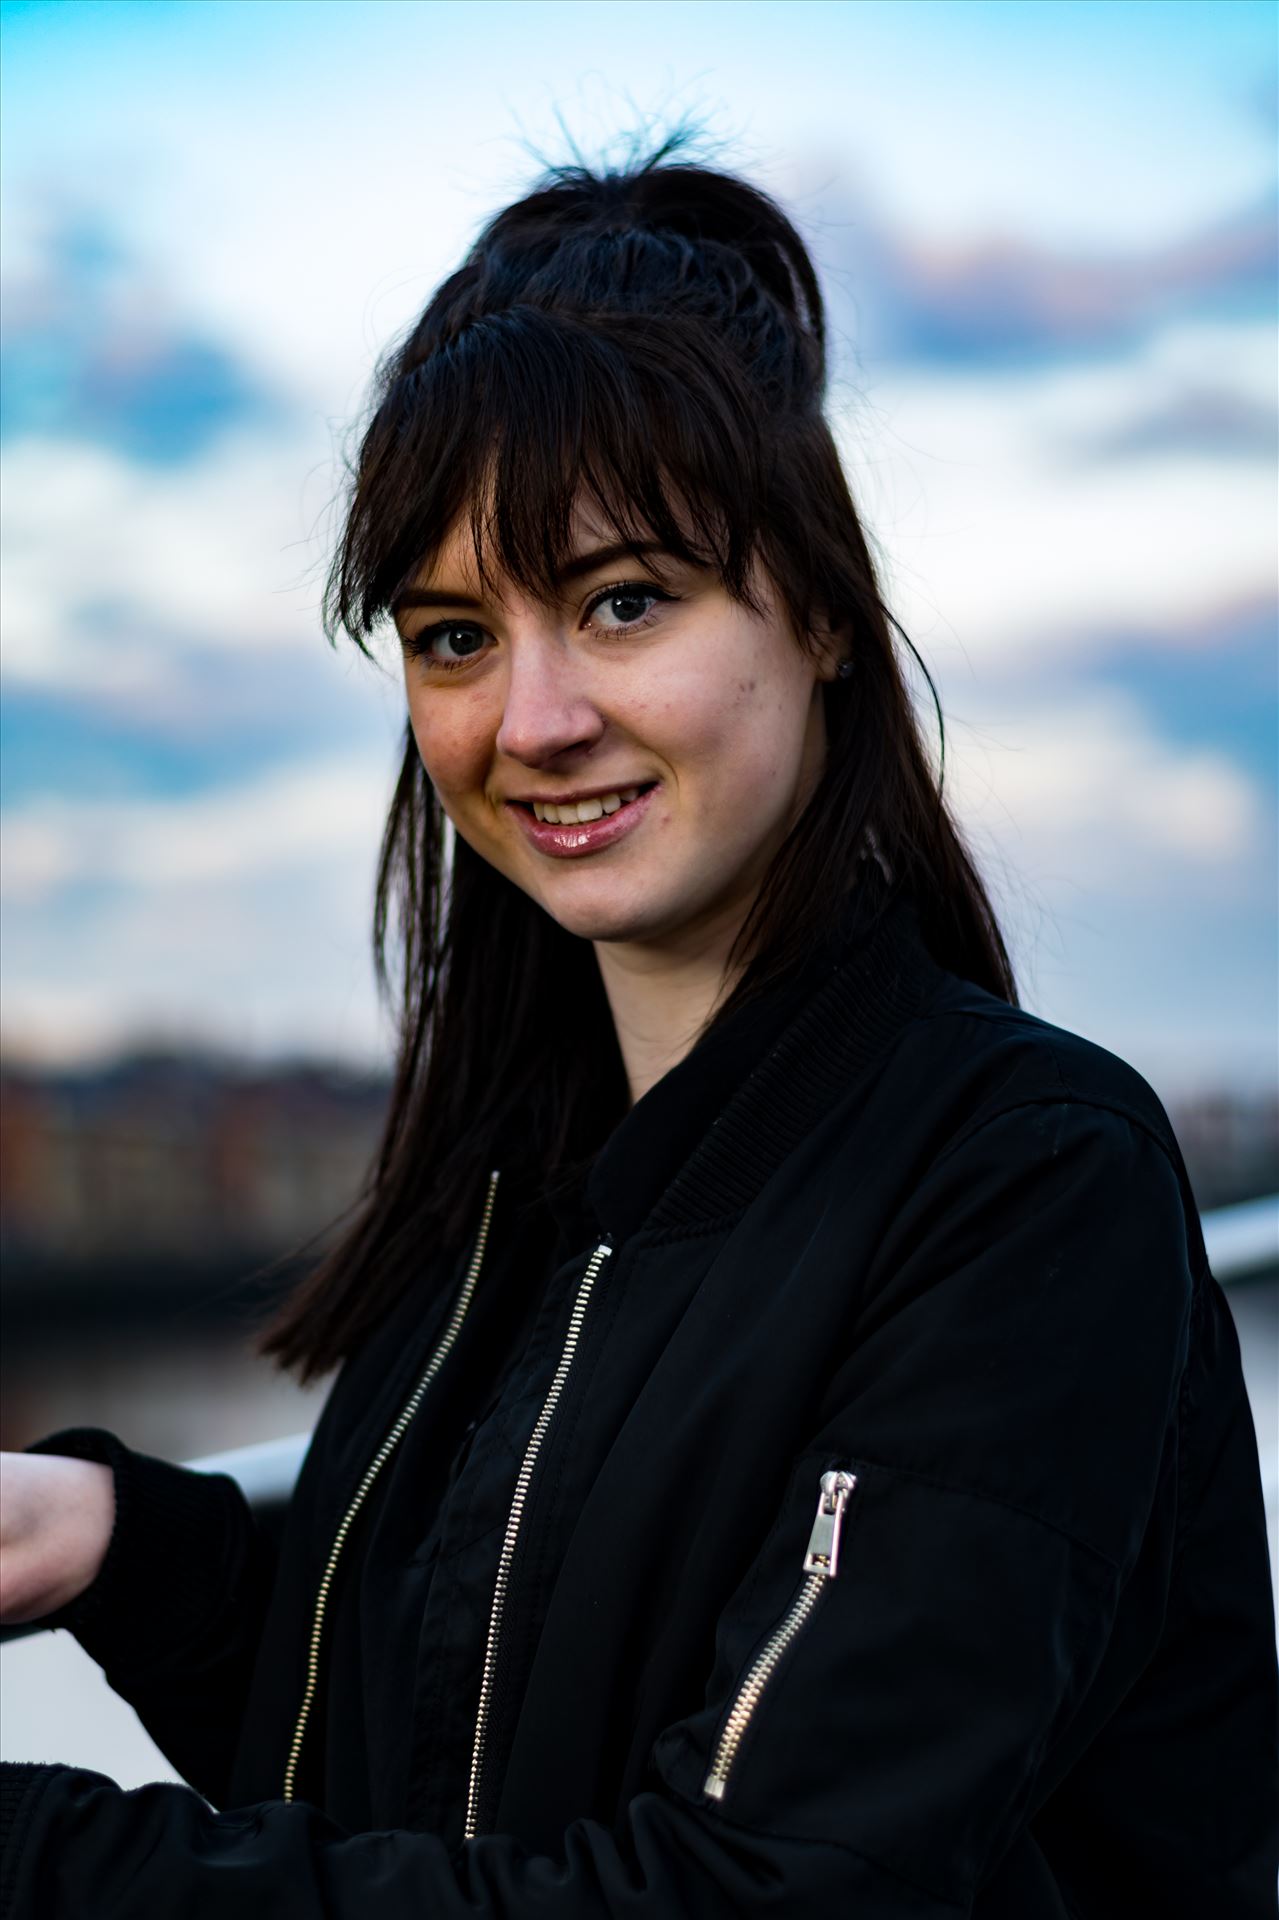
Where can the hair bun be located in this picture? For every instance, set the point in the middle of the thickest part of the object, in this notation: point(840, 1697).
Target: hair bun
point(654, 237)
point(703, 205)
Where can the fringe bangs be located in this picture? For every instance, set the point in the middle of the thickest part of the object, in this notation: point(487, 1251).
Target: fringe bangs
point(526, 418)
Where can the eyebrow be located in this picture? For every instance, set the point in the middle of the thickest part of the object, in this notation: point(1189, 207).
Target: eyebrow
point(572, 570)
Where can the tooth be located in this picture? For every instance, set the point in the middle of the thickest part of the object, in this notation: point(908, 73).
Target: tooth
point(611, 802)
point(539, 810)
point(589, 809)
point(630, 793)
point(551, 813)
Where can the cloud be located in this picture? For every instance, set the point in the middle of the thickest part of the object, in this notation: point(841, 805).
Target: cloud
point(1003, 305)
point(291, 818)
point(264, 964)
point(93, 352)
point(1007, 543)
point(240, 916)
point(112, 569)
point(1209, 391)
point(1077, 787)
point(1200, 420)
point(205, 719)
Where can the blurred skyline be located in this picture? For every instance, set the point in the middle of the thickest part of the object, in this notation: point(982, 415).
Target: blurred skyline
point(1048, 237)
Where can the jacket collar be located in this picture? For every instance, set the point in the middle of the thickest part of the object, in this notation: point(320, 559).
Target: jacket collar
point(704, 1139)
point(880, 978)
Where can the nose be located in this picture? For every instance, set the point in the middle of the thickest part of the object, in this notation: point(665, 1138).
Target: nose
point(548, 710)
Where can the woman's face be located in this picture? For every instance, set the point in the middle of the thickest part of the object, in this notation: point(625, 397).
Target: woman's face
point(645, 675)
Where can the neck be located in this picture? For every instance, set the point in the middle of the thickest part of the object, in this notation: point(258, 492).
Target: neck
point(661, 994)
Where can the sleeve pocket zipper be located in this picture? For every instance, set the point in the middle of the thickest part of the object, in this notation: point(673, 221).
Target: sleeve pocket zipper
point(821, 1563)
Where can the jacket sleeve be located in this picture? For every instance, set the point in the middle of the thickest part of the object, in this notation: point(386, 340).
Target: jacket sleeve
point(1009, 1406)
point(175, 1613)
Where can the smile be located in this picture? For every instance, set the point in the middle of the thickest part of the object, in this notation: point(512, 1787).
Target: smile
point(567, 838)
point(570, 812)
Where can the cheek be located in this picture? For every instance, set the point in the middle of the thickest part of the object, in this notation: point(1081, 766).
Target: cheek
point(732, 731)
point(451, 743)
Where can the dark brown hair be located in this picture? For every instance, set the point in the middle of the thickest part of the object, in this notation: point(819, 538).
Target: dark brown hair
point(651, 339)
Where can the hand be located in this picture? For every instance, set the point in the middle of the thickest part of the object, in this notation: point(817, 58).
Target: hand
point(56, 1517)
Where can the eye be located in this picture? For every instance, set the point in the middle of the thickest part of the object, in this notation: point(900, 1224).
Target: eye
point(463, 638)
point(631, 604)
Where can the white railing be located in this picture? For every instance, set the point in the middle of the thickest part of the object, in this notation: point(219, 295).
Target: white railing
point(265, 1472)
point(1243, 1238)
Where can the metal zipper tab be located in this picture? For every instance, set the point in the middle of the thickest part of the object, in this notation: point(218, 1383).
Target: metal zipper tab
point(374, 1468)
point(823, 1542)
point(519, 1500)
point(821, 1563)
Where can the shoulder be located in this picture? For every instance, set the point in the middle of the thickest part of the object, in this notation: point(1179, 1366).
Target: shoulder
point(985, 1096)
point(1036, 1193)
point(989, 1059)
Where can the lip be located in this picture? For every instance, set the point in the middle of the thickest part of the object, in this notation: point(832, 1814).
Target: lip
point(583, 836)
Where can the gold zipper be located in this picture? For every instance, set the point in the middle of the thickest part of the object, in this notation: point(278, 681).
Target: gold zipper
point(379, 1460)
point(518, 1501)
point(821, 1563)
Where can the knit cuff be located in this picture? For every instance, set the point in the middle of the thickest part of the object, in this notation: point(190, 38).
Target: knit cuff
point(166, 1563)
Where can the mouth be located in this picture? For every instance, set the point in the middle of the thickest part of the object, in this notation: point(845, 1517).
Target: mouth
point(603, 824)
point(586, 807)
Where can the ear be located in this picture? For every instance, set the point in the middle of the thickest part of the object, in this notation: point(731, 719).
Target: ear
point(831, 642)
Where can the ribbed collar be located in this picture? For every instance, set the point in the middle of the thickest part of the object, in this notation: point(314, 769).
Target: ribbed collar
point(702, 1141)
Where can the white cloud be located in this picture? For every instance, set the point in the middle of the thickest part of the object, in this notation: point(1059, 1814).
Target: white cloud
point(223, 552)
point(240, 917)
point(1080, 788)
point(262, 965)
point(1004, 547)
point(293, 818)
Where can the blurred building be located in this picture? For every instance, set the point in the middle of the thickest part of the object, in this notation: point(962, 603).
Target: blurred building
point(167, 1173)
point(150, 1213)
point(1231, 1146)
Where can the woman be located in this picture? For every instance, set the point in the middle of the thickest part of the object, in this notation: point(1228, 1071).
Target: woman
point(789, 1452)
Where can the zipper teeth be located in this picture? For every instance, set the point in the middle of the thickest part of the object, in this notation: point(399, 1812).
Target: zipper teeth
point(375, 1466)
point(752, 1688)
point(513, 1522)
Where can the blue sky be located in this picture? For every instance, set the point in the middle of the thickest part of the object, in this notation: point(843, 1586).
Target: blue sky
point(1048, 237)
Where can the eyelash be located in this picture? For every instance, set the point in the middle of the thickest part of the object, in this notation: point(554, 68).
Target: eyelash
point(419, 646)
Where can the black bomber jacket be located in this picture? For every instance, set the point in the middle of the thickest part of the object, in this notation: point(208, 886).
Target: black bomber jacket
point(861, 1515)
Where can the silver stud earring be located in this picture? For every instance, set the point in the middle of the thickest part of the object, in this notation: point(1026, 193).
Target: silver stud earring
point(845, 669)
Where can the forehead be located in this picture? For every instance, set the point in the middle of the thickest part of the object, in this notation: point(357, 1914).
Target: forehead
point(468, 559)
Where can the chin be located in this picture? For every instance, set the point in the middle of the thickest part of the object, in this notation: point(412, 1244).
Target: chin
point(614, 920)
point(602, 925)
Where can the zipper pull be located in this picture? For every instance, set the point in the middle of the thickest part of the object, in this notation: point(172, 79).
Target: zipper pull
point(823, 1541)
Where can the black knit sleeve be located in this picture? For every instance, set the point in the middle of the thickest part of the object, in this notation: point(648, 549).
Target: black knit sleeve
point(175, 1613)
